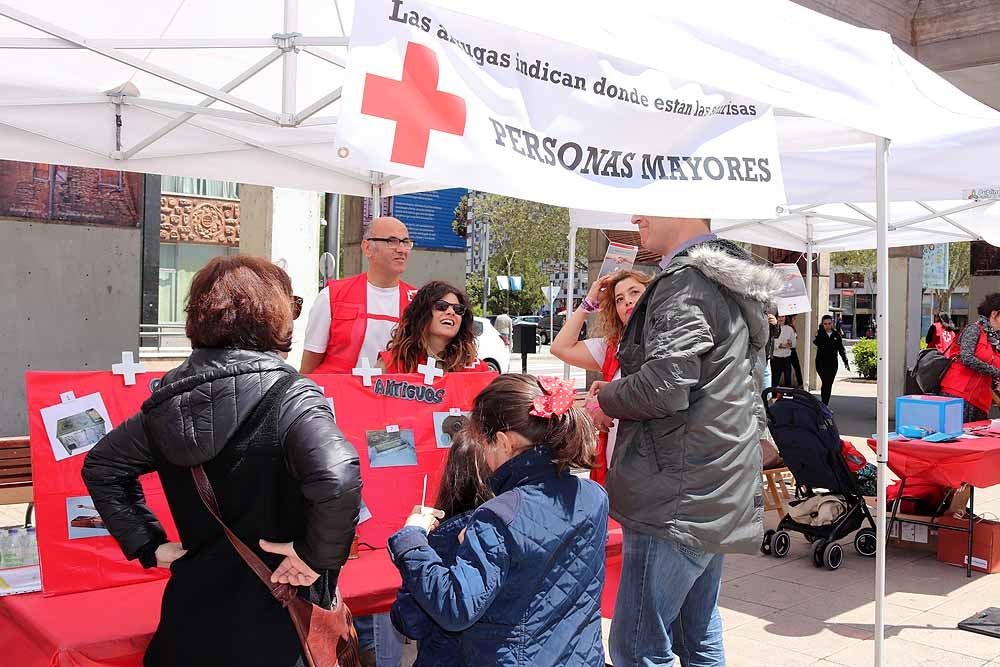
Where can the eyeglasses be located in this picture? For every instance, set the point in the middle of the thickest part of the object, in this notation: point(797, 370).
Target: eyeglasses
point(296, 307)
point(393, 242)
point(442, 306)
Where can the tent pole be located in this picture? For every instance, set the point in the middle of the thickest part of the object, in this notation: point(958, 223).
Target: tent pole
point(289, 60)
point(882, 427)
point(571, 278)
point(806, 363)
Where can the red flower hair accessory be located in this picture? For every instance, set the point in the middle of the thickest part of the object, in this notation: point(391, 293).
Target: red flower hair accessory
point(557, 398)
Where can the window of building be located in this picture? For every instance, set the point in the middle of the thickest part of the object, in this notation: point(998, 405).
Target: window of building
point(863, 301)
point(847, 280)
point(835, 301)
point(200, 187)
point(178, 264)
point(108, 179)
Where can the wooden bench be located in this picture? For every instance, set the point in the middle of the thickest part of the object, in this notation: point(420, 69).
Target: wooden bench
point(15, 471)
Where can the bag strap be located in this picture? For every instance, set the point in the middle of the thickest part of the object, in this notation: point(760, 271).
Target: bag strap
point(284, 593)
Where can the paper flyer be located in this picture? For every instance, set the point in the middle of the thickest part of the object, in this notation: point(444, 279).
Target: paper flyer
point(20, 580)
point(793, 298)
point(619, 257)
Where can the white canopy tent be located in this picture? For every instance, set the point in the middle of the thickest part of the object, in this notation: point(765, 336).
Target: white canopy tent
point(195, 88)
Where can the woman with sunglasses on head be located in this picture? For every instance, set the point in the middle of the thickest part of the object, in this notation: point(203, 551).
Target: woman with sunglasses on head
point(287, 482)
point(439, 324)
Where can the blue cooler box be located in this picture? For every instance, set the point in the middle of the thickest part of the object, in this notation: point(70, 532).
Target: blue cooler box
point(938, 414)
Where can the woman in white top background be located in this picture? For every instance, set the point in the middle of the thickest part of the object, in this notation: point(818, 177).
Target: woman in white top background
point(613, 297)
point(781, 362)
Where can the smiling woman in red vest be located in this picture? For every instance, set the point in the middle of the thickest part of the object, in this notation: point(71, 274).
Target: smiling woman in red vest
point(438, 323)
point(976, 369)
point(614, 296)
point(353, 318)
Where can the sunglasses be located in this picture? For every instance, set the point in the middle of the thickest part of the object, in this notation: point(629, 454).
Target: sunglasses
point(442, 306)
point(296, 307)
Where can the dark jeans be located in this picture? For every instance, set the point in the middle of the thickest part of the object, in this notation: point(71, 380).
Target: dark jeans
point(826, 376)
point(781, 372)
point(797, 378)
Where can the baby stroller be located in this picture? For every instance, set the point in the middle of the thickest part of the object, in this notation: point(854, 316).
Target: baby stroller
point(809, 442)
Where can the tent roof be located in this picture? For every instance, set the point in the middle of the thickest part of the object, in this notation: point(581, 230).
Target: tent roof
point(214, 89)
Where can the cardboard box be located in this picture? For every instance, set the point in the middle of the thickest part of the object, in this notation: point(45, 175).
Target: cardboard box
point(912, 536)
point(953, 546)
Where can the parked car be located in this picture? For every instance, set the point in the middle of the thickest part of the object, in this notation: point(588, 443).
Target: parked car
point(543, 328)
point(491, 346)
point(529, 319)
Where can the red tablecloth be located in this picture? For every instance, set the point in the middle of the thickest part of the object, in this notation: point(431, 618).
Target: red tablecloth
point(972, 460)
point(111, 627)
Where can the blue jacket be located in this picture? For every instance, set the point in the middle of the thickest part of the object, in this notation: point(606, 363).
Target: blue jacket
point(525, 587)
point(438, 647)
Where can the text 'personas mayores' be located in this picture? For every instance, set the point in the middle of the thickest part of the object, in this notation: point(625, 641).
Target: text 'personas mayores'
point(571, 156)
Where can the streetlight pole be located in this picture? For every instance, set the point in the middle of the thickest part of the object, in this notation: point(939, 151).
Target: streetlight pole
point(510, 283)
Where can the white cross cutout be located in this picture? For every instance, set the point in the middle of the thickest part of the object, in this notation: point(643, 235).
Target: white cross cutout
point(365, 371)
point(430, 370)
point(128, 368)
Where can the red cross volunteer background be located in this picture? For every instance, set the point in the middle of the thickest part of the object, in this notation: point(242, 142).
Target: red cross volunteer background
point(415, 104)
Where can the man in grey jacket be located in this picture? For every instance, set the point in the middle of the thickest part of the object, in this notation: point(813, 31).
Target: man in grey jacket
point(685, 482)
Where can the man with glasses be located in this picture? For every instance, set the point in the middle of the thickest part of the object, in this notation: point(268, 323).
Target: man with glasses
point(353, 319)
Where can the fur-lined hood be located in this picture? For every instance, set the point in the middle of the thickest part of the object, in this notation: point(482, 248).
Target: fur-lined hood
point(755, 286)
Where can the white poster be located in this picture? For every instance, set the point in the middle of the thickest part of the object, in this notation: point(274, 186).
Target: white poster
point(793, 298)
point(74, 427)
point(447, 98)
point(619, 257)
point(936, 269)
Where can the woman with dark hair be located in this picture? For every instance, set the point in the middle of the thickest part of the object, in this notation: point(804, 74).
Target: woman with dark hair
point(438, 323)
point(975, 371)
point(463, 489)
point(829, 344)
point(941, 333)
point(287, 482)
point(525, 587)
point(613, 298)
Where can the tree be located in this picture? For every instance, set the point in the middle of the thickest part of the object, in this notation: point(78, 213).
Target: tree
point(529, 236)
point(461, 222)
point(854, 260)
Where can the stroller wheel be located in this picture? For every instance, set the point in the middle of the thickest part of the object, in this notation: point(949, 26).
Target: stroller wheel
point(765, 545)
point(817, 554)
point(865, 542)
point(780, 544)
point(833, 556)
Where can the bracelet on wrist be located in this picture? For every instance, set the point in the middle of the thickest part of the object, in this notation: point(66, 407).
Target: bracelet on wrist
point(588, 306)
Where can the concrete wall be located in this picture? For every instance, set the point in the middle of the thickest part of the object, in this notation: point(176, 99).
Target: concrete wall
point(71, 301)
point(979, 287)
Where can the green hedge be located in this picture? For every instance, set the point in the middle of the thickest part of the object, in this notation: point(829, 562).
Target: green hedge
point(866, 358)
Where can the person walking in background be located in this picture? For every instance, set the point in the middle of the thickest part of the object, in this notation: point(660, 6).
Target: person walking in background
point(774, 330)
point(525, 586)
point(975, 371)
point(781, 358)
point(941, 333)
point(613, 297)
point(829, 344)
point(685, 480)
point(504, 327)
point(288, 483)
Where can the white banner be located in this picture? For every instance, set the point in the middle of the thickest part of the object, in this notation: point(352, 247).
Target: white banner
point(793, 298)
point(455, 100)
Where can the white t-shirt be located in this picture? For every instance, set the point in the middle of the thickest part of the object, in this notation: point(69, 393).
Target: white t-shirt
point(381, 301)
point(598, 348)
point(786, 336)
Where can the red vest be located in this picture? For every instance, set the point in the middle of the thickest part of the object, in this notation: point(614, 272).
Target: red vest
point(975, 388)
point(942, 338)
point(349, 321)
point(389, 360)
point(608, 370)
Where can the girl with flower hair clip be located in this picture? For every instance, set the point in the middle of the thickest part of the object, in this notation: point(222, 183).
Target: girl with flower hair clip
point(525, 586)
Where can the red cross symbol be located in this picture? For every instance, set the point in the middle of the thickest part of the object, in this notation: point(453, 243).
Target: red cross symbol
point(415, 104)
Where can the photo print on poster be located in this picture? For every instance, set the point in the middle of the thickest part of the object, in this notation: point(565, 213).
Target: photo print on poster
point(391, 447)
point(75, 427)
point(82, 519)
point(447, 425)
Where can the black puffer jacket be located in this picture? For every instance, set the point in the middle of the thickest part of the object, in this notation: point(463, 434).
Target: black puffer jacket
point(191, 418)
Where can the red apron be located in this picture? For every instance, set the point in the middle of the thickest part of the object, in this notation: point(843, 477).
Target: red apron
point(608, 369)
point(961, 381)
point(349, 321)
